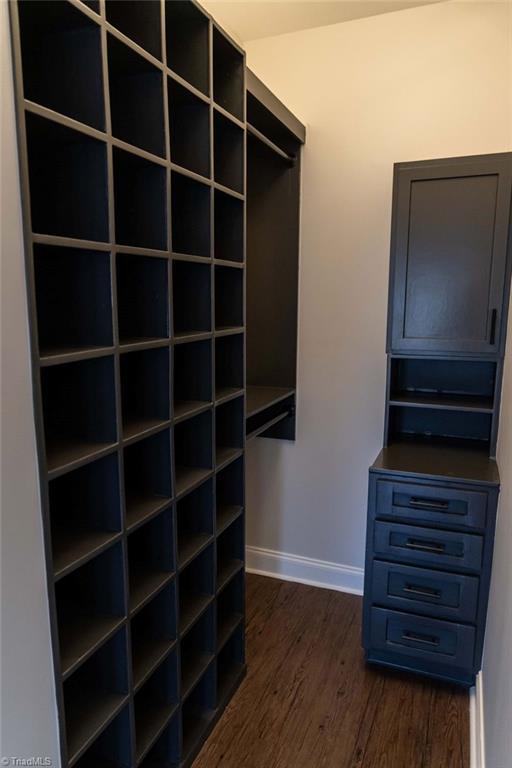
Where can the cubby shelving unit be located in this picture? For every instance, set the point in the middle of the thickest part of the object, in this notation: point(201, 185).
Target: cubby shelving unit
point(132, 134)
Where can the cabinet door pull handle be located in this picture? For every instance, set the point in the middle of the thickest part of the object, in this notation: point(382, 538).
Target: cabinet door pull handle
point(439, 506)
point(438, 548)
point(494, 317)
point(416, 637)
point(413, 589)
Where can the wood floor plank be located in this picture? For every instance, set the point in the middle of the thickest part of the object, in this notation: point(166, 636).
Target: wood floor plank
point(310, 701)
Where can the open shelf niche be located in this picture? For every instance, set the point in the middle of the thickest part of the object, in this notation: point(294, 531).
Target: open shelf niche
point(230, 609)
point(196, 587)
point(142, 298)
point(228, 143)
point(192, 297)
point(190, 203)
point(228, 75)
point(230, 552)
point(154, 704)
point(229, 366)
point(189, 128)
point(229, 227)
point(147, 477)
point(229, 430)
point(150, 558)
point(230, 498)
point(197, 713)
point(187, 38)
point(194, 523)
point(193, 451)
point(230, 664)
point(139, 20)
point(197, 651)
point(192, 377)
point(144, 390)
point(112, 747)
point(229, 298)
point(153, 634)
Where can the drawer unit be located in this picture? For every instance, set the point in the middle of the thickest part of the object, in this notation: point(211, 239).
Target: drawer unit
point(426, 639)
point(431, 547)
point(432, 504)
point(424, 591)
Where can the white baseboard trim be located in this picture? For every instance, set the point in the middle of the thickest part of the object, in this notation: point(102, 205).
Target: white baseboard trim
point(304, 570)
point(476, 725)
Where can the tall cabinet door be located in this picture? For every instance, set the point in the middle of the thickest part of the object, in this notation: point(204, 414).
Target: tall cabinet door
point(449, 253)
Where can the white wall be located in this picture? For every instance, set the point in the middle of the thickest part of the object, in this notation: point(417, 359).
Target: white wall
point(27, 696)
point(429, 82)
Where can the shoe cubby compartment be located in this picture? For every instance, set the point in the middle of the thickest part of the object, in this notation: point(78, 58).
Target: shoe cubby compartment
point(166, 751)
point(68, 181)
point(139, 20)
point(87, 613)
point(79, 410)
point(154, 705)
point(150, 558)
point(230, 552)
point(73, 299)
point(230, 665)
point(230, 609)
point(195, 588)
point(136, 98)
point(94, 694)
point(112, 748)
point(187, 33)
point(147, 477)
point(85, 513)
point(191, 298)
point(439, 426)
point(266, 407)
point(193, 451)
point(197, 651)
point(61, 55)
point(194, 523)
point(190, 204)
point(228, 75)
point(140, 201)
point(153, 634)
point(142, 298)
point(228, 153)
point(229, 429)
point(189, 127)
point(229, 494)
point(192, 377)
point(229, 298)
point(197, 712)
point(144, 390)
point(229, 366)
point(229, 227)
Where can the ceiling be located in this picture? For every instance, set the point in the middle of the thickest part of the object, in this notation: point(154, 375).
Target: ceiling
point(252, 19)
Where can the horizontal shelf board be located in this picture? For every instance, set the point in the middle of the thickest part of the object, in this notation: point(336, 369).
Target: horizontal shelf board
point(68, 122)
point(229, 263)
point(142, 427)
point(259, 398)
point(226, 627)
point(223, 394)
point(140, 510)
point(139, 152)
point(191, 257)
point(183, 409)
point(228, 681)
point(190, 546)
point(229, 115)
point(82, 636)
point(174, 76)
point(188, 478)
point(226, 572)
point(88, 717)
point(188, 336)
point(442, 402)
point(289, 159)
point(133, 344)
point(60, 355)
point(191, 608)
point(263, 428)
point(195, 734)
point(192, 671)
point(145, 585)
point(72, 548)
point(66, 455)
point(148, 658)
point(228, 330)
point(71, 242)
point(227, 514)
point(149, 727)
point(228, 191)
point(225, 456)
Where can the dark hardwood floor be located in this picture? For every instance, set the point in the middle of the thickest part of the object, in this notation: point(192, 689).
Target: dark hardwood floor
point(309, 701)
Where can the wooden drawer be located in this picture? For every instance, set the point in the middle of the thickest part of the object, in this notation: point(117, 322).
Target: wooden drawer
point(431, 547)
point(430, 593)
point(431, 504)
point(431, 640)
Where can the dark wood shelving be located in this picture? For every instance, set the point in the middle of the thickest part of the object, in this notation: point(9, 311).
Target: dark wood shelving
point(229, 305)
point(229, 430)
point(144, 390)
point(230, 664)
point(110, 749)
point(193, 669)
point(190, 216)
point(155, 704)
point(442, 401)
point(228, 75)
point(139, 20)
point(187, 33)
point(194, 523)
point(193, 451)
point(229, 227)
point(82, 636)
point(228, 141)
point(72, 547)
point(197, 653)
point(153, 633)
point(227, 514)
point(189, 545)
point(226, 569)
point(229, 365)
point(189, 127)
point(260, 398)
point(192, 378)
point(142, 298)
point(195, 589)
point(230, 609)
point(192, 297)
point(150, 558)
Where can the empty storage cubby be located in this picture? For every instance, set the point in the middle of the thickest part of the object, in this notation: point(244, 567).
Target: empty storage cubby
point(228, 153)
point(68, 181)
point(94, 694)
point(196, 587)
point(150, 558)
point(187, 33)
point(229, 227)
point(194, 522)
point(192, 451)
point(167, 748)
point(61, 55)
point(142, 298)
point(112, 748)
point(153, 633)
point(192, 377)
point(147, 477)
point(197, 651)
point(87, 613)
point(190, 203)
point(229, 298)
point(230, 665)
point(73, 299)
point(140, 199)
point(78, 409)
point(229, 365)
point(440, 425)
point(229, 429)
point(144, 390)
point(189, 128)
point(139, 20)
point(136, 98)
point(230, 552)
point(191, 298)
point(229, 494)
point(85, 512)
point(197, 712)
point(228, 75)
point(154, 704)
point(230, 609)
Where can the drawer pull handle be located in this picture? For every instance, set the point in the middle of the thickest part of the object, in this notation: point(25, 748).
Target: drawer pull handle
point(412, 589)
point(438, 506)
point(422, 546)
point(431, 640)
